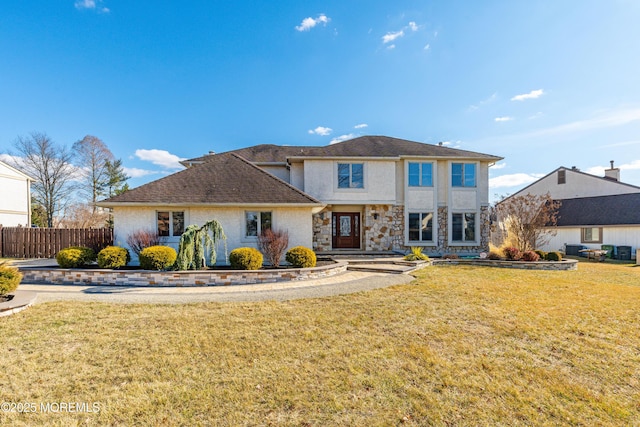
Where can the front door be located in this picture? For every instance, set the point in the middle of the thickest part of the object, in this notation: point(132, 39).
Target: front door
point(346, 230)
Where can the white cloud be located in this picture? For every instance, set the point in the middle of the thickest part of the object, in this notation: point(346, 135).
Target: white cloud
point(427, 46)
point(604, 120)
point(513, 180)
point(389, 37)
point(137, 173)
point(391, 47)
point(413, 26)
point(308, 23)
point(599, 170)
point(361, 126)
point(486, 101)
point(160, 157)
point(531, 95)
point(91, 4)
point(503, 119)
point(320, 130)
point(342, 138)
point(500, 165)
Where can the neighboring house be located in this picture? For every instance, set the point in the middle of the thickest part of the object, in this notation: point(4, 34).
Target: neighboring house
point(372, 193)
point(595, 210)
point(15, 197)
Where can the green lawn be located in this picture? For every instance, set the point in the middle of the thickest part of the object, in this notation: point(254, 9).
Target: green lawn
point(459, 346)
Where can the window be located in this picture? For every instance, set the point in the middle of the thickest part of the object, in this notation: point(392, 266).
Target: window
point(591, 235)
point(562, 177)
point(420, 174)
point(350, 175)
point(463, 227)
point(170, 223)
point(421, 227)
point(256, 222)
point(463, 175)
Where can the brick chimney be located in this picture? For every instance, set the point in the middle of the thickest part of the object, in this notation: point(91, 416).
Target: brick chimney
point(612, 173)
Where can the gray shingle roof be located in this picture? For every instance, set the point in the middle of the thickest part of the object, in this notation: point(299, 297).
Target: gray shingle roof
point(223, 179)
point(385, 146)
point(622, 209)
point(364, 146)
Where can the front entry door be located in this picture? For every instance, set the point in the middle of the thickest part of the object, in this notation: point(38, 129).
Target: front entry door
point(346, 230)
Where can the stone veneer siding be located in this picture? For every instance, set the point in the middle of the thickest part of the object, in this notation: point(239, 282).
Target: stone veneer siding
point(443, 247)
point(385, 233)
point(100, 277)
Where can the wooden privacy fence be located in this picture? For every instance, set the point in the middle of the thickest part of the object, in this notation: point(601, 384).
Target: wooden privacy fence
point(23, 242)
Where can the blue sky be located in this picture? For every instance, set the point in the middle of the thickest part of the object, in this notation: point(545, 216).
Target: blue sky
point(541, 83)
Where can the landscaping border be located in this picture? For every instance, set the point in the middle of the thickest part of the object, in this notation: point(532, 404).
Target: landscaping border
point(564, 265)
point(20, 301)
point(104, 277)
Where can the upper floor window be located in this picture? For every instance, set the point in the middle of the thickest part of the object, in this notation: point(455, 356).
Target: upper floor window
point(170, 223)
point(463, 175)
point(463, 227)
point(350, 175)
point(562, 177)
point(420, 174)
point(256, 223)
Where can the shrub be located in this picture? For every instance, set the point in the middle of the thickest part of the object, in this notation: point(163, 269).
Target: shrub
point(301, 257)
point(530, 256)
point(451, 256)
point(245, 259)
point(541, 254)
point(416, 255)
point(75, 256)
point(273, 245)
point(157, 257)
point(494, 255)
point(113, 257)
point(512, 254)
point(140, 239)
point(554, 256)
point(10, 278)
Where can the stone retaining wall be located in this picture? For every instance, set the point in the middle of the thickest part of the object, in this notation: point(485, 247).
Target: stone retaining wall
point(101, 277)
point(564, 265)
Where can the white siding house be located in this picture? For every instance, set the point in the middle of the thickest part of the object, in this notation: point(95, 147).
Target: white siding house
point(15, 197)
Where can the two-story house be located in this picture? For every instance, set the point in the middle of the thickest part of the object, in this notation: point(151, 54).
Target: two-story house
point(372, 193)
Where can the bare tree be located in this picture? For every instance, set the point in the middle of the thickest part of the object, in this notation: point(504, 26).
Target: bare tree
point(528, 221)
point(92, 157)
point(51, 167)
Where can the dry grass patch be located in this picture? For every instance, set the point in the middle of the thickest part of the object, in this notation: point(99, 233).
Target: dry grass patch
point(460, 346)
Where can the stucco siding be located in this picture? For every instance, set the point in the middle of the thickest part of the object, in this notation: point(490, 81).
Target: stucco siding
point(321, 182)
point(297, 221)
point(280, 171)
point(576, 185)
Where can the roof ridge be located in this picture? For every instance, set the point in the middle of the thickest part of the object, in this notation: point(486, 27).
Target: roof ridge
point(273, 177)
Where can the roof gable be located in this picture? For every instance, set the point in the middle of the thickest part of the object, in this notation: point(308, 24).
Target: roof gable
point(224, 179)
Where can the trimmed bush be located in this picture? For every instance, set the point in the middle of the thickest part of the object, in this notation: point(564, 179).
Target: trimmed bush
point(416, 255)
point(10, 278)
point(245, 259)
point(541, 254)
point(512, 254)
point(301, 257)
point(530, 256)
point(493, 255)
point(554, 256)
point(113, 257)
point(157, 258)
point(75, 256)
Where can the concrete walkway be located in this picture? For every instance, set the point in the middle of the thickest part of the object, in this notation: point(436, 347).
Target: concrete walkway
point(345, 283)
